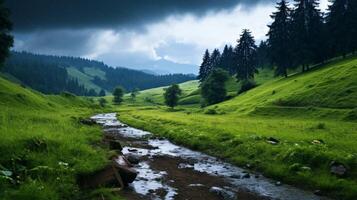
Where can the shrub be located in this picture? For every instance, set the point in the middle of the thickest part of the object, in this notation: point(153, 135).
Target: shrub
point(246, 85)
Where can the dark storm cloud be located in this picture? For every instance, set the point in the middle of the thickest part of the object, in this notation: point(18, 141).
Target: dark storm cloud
point(29, 15)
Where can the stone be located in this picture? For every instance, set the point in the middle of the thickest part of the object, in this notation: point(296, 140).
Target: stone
point(278, 183)
point(89, 122)
point(338, 169)
point(247, 175)
point(115, 145)
point(133, 159)
point(223, 193)
point(273, 141)
point(236, 176)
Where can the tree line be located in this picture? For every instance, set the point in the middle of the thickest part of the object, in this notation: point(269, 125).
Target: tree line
point(48, 74)
point(299, 36)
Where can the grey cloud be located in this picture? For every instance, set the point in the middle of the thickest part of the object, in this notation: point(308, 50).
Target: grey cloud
point(29, 15)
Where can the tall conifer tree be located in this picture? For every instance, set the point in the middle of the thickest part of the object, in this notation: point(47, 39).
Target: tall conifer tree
point(6, 40)
point(280, 39)
point(337, 25)
point(307, 33)
point(246, 56)
point(204, 68)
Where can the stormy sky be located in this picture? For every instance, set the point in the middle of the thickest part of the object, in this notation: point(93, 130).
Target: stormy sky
point(160, 35)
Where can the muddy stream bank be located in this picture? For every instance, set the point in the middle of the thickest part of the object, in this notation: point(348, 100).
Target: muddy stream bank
point(171, 172)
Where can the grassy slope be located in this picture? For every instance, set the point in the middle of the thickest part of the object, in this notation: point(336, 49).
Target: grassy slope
point(317, 105)
point(87, 77)
point(43, 145)
point(190, 93)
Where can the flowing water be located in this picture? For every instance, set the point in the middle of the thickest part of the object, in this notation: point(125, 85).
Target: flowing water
point(168, 171)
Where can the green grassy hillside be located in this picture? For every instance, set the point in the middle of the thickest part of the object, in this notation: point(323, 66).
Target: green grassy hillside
point(43, 147)
point(86, 78)
point(313, 115)
point(190, 92)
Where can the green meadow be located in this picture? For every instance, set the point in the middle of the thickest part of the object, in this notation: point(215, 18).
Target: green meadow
point(43, 146)
point(313, 115)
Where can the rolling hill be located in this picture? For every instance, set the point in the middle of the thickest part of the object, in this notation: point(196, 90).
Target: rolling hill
point(54, 74)
point(311, 116)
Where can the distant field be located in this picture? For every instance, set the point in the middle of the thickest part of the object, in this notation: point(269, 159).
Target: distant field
point(313, 116)
point(87, 77)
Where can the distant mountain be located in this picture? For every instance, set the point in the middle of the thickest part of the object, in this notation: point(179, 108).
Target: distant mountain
point(161, 66)
point(54, 74)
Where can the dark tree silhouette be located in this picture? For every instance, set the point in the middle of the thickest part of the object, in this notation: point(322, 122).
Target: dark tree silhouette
point(263, 56)
point(172, 95)
point(227, 59)
point(204, 68)
point(102, 102)
point(337, 25)
point(307, 33)
point(6, 40)
point(246, 56)
point(215, 60)
point(118, 94)
point(280, 39)
point(213, 89)
point(352, 25)
point(101, 93)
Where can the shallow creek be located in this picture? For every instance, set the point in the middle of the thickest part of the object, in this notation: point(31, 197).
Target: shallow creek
point(168, 171)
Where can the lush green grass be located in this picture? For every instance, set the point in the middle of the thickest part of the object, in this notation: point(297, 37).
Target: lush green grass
point(191, 94)
point(87, 77)
point(43, 146)
point(316, 105)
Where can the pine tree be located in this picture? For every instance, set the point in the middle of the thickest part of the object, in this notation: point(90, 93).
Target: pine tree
point(337, 25)
point(6, 40)
point(227, 59)
point(280, 38)
point(263, 59)
point(102, 93)
point(246, 56)
point(352, 25)
point(307, 33)
point(204, 68)
point(215, 60)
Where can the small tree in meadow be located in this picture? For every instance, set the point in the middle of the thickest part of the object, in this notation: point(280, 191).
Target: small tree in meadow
point(102, 102)
point(118, 94)
point(172, 95)
point(134, 93)
point(102, 93)
point(213, 88)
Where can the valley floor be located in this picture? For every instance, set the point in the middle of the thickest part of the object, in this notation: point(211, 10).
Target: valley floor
point(302, 155)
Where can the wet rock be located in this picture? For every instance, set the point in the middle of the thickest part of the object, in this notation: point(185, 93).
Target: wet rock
point(246, 175)
point(256, 176)
point(273, 141)
point(133, 159)
point(132, 150)
point(236, 176)
point(89, 122)
point(115, 145)
point(223, 193)
point(278, 183)
point(196, 185)
point(108, 176)
point(318, 142)
point(184, 166)
point(338, 169)
point(318, 192)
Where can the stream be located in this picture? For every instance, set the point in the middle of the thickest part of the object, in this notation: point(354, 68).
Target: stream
point(171, 172)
